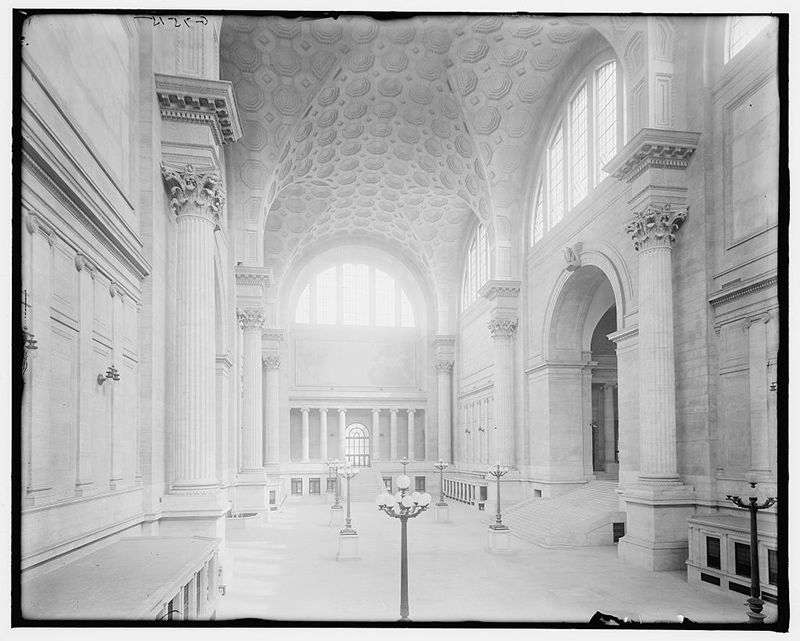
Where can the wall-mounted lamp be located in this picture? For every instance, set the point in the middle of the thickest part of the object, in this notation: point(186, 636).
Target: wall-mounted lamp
point(111, 373)
point(480, 429)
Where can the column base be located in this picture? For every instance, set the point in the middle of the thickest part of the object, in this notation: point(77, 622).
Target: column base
point(348, 547)
point(194, 514)
point(337, 516)
point(441, 513)
point(500, 541)
point(250, 495)
point(657, 532)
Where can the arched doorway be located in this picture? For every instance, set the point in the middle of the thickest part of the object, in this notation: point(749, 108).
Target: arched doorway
point(356, 447)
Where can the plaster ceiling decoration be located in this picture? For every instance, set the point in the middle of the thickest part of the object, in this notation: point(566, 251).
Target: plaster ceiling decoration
point(402, 132)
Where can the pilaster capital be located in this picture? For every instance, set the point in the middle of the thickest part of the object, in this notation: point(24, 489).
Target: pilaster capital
point(609, 386)
point(113, 288)
point(502, 327)
point(411, 411)
point(656, 226)
point(32, 222)
point(323, 410)
point(251, 317)
point(81, 263)
point(194, 190)
point(444, 366)
point(272, 361)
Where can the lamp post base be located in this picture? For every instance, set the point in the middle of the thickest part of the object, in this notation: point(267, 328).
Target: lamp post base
point(755, 614)
point(337, 516)
point(441, 513)
point(348, 547)
point(500, 541)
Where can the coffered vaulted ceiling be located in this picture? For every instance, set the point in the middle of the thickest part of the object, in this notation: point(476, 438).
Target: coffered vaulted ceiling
point(401, 130)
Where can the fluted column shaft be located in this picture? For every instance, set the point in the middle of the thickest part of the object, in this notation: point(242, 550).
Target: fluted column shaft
point(393, 434)
point(502, 331)
point(252, 320)
point(608, 423)
point(411, 434)
point(272, 365)
point(323, 434)
point(305, 436)
point(342, 428)
point(444, 372)
point(376, 428)
point(653, 231)
point(196, 198)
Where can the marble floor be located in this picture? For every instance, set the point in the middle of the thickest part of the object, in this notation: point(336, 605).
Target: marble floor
point(287, 570)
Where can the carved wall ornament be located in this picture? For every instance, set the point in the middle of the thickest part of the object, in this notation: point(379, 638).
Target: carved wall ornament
point(656, 227)
point(200, 187)
point(251, 317)
point(572, 256)
point(112, 289)
point(272, 362)
point(502, 327)
point(444, 366)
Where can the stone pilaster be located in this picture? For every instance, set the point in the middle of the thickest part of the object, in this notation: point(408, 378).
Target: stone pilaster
point(194, 503)
point(196, 198)
point(653, 232)
point(323, 434)
point(608, 427)
point(393, 434)
point(444, 349)
point(756, 329)
point(342, 429)
point(376, 429)
point(502, 331)
point(304, 434)
point(251, 320)
point(272, 364)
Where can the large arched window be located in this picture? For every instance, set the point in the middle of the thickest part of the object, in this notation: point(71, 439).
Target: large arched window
point(741, 31)
point(477, 268)
point(354, 294)
point(586, 135)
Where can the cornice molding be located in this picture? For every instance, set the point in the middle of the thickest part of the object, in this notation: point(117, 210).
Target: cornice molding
point(251, 275)
point(500, 288)
point(664, 148)
point(444, 340)
point(273, 334)
point(623, 334)
point(742, 289)
point(198, 100)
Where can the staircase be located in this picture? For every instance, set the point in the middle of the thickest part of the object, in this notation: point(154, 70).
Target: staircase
point(365, 486)
point(580, 517)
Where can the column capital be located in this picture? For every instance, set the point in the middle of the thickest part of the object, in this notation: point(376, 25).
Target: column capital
point(609, 386)
point(444, 366)
point(410, 411)
point(251, 317)
point(198, 187)
point(272, 361)
point(342, 410)
point(393, 410)
point(305, 410)
point(502, 327)
point(323, 410)
point(656, 226)
point(376, 410)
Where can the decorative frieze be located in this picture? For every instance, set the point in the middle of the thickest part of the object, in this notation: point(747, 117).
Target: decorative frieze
point(251, 318)
point(502, 327)
point(272, 362)
point(500, 289)
point(656, 226)
point(195, 100)
point(248, 275)
point(199, 187)
point(444, 366)
point(742, 289)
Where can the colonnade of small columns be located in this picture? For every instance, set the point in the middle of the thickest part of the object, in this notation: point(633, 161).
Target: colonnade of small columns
point(341, 416)
point(463, 491)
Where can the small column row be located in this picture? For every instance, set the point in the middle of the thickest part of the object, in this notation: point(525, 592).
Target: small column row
point(367, 435)
point(463, 491)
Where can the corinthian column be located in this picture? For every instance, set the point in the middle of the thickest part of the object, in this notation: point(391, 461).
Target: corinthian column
point(410, 434)
point(323, 434)
point(196, 198)
point(376, 428)
point(653, 232)
point(251, 320)
point(502, 331)
point(304, 433)
point(393, 434)
point(342, 428)
point(272, 364)
point(444, 372)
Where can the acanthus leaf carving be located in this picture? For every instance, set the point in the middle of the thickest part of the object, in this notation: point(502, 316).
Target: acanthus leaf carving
point(656, 226)
point(272, 361)
point(251, 318)
point(199, 187)
point(502, 327)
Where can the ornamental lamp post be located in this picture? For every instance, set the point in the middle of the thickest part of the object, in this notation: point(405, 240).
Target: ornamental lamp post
point(337, 510)
point(403, 506)
point(348, 537)
point(441, 511)
point(499, 533)
point(498, 473)
point(404, 463)
point(756, 605)
point(347, 472)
